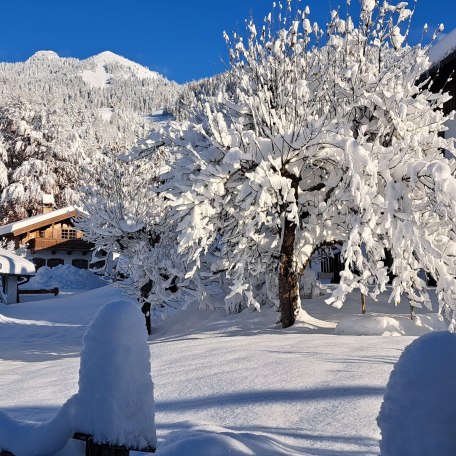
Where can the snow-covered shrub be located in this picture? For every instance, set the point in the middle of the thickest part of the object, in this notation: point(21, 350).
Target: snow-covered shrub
point(418, 413)
point(115, 402)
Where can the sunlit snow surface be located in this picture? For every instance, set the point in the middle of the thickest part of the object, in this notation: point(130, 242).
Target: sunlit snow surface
point(223, 384)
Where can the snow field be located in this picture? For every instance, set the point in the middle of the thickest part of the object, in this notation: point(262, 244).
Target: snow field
point(234, 384)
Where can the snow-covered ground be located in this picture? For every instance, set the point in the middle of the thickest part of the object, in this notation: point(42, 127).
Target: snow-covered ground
point(234, 384)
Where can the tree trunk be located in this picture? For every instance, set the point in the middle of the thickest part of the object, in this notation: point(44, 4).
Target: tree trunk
point(363, 303)
point(288, 277)
point(145, 290)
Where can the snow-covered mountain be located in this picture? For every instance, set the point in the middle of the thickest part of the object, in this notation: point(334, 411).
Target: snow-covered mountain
point(58, 114)
point(124, 83)
point(125, 68)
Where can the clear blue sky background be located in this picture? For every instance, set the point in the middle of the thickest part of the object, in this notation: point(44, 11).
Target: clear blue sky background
point(181, 39)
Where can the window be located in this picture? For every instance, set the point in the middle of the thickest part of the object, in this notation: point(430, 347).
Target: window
point(330, 263)
point(54, 262)
point(39, 262)
point(68, 233)
point(80, 263)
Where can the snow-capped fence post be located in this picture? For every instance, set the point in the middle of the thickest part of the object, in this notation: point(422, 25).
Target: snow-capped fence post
point(114, 408)
point(97, 449)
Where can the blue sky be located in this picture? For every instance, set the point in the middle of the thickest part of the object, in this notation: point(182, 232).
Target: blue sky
point(181, 39)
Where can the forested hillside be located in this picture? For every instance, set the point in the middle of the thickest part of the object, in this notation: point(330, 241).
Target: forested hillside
point(60, 115)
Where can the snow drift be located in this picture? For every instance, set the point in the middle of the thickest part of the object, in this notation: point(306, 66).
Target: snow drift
point(418, 414)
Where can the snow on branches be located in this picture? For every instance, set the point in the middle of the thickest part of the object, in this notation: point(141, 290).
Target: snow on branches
point(328, 135)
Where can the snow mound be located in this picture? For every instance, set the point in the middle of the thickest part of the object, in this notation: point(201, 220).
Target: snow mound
point(304, 320)
point(382, 325)
point(418, 413)
point(210, 440)
point(64, 277)
point(25, 438)
point(115, 402)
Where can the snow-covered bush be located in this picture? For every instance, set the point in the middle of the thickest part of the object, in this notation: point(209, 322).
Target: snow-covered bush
point(115, 402)
point(329, 136)
point(309, 285)
point(418, 413)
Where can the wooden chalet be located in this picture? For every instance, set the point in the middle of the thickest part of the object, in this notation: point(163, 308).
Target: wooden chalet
point(51, 238)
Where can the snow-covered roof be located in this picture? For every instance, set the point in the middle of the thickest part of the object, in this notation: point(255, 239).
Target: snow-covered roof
point(13, 264)
point(20, 225)
point(443, 48)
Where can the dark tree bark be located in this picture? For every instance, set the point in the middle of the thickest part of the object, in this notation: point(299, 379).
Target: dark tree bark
point(145, 290)
point(288, 274)
point(363, 303)
point(288, 277)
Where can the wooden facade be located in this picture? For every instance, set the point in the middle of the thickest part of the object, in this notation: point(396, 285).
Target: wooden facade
point(51, 239)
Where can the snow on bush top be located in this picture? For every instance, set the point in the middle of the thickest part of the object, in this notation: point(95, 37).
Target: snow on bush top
point(115, 401)
point(65, 277)
point(418, 414)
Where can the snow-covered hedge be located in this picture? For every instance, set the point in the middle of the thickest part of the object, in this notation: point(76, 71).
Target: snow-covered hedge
point(115, 401)
point(418, 414)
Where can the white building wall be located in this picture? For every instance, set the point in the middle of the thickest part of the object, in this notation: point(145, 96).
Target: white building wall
point(63, 254)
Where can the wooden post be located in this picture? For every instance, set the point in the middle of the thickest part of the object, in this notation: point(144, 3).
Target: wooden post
point(105, 449)
point(11, 289)
point(100, 449)
point(97, 449)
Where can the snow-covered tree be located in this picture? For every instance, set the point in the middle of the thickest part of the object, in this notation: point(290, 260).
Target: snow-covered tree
point(330, 135)
point(126, 217)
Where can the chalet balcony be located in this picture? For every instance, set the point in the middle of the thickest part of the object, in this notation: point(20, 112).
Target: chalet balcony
point(37, 244)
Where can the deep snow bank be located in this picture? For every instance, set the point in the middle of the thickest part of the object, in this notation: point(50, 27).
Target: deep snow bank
point(389, 325)
point(418, 413)
point(64, 277)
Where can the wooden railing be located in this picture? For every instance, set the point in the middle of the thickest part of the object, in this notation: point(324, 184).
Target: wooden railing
point(37, 244)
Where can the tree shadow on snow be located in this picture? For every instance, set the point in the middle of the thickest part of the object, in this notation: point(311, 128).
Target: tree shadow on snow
point(268, 396)
point(39, 342)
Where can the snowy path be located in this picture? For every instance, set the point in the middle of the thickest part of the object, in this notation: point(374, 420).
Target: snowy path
point(228, 384)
